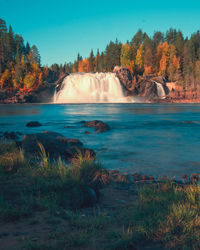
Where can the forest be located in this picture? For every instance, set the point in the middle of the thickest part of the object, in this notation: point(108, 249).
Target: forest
point(171, 55)
point(19, 63)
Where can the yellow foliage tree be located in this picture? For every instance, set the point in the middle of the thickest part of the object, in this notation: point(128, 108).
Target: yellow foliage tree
point(125, 57)
point(5, 79)
point(35, 68)
point(148, 61)
point(139, 61)
point(29, 80)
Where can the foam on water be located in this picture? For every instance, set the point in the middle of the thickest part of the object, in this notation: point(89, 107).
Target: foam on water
point(91, 88)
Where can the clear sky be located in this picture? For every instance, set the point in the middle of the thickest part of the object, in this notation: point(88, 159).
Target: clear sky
point(60, 29)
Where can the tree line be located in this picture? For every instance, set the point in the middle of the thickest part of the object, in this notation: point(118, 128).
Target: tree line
point(169, 55)
point(19, 63)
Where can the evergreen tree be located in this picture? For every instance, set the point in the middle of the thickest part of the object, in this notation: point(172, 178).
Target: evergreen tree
point(3, 30)
point(171, 36)
point(11, 47)
point(97, 62)
point(138, 38)
point(158, 38)
point(35, 55)
point(91, 61)
point(27, 49)
point(112, 55)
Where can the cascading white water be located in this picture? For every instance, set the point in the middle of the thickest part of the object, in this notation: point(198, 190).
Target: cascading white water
point(160, 90)
point(90, 88)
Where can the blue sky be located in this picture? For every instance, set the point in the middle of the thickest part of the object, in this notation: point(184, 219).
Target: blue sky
point(60, 29)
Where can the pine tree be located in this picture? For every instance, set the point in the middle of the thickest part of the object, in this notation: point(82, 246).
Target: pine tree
point(112, 55)
point(97, 62)
point(91, 61)
point(35, 55)
point(171, 36)
point(11, 47)
point(3, 30)
point(27, 49)
point(138, 38)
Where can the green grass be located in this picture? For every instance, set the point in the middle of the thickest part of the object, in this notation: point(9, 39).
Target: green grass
point(33, 185)
point(165, 215)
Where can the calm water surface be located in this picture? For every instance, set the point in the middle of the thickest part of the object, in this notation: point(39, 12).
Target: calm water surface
point(147, 138)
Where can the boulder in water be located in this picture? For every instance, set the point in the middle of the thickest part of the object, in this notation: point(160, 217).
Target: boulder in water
point(33, 124)
point(98, 126)
point(55, 145)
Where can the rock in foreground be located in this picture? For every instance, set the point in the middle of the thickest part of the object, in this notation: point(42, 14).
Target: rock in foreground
point(55, 145)
point(98, 126)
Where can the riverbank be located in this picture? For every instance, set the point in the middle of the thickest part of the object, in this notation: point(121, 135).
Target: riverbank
point(49, 204)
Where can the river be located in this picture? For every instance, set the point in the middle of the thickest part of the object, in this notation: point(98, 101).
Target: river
point(155, 139)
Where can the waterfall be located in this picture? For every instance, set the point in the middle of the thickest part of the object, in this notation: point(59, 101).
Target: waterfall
point(160, 90)
point(91, 88)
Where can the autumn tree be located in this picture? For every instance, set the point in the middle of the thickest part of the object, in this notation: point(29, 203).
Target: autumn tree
point(126, 57)
point(148, 61)
point(84, 66)
point(18, 70)
point(139, 61)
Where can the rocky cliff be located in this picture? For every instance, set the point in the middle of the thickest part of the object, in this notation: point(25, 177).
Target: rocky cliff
point(151, 88)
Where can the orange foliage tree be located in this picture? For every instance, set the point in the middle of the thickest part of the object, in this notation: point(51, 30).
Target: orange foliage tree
point(84, 66)
point(148, 61)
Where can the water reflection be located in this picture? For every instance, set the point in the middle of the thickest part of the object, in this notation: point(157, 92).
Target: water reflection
point(15, 110)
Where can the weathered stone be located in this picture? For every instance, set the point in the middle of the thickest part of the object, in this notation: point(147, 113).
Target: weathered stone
point(55, 145)
point(11, 135)
point(33, 124)
point(148, 87)
point(124, 76)
point(99, 126)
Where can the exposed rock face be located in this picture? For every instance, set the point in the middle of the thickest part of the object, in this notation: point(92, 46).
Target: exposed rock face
point(55, 145)
point(148, 87)
point(124, 76)
point(44, 94)
point(98, 126)
point(33, 124)
point(59, 81)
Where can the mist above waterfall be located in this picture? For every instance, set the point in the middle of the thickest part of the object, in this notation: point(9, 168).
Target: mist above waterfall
point(91, 88)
